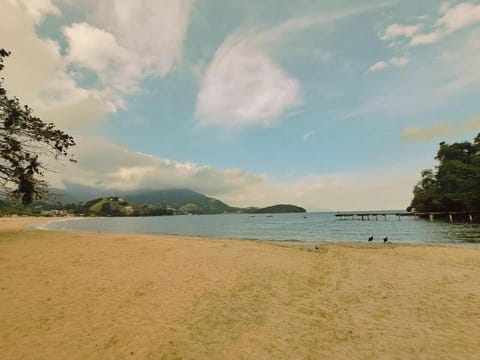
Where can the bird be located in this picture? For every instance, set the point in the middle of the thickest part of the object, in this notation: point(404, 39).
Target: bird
point(316, 247)
point(385, 239)
point(370, 238)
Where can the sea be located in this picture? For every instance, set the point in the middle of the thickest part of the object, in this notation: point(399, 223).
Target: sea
point(306, 227)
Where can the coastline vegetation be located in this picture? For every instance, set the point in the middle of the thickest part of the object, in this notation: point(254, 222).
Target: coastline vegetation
point(454, 184)
point(153, 203)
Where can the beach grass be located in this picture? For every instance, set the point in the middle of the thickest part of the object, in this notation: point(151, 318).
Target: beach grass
point(114, 296)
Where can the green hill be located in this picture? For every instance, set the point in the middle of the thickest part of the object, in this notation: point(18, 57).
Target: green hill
point(115, 206)
point(151, 202)
point(187, 201)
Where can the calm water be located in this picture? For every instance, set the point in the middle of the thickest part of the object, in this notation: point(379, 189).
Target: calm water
point(302, 227)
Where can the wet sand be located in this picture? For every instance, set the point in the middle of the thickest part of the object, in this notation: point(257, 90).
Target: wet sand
point(113, 296)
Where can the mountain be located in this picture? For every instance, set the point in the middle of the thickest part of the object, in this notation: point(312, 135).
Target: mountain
point(187, 201)
point(280, 208)
point(178, 201)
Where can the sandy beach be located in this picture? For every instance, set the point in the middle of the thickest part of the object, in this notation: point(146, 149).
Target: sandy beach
point(113, 296)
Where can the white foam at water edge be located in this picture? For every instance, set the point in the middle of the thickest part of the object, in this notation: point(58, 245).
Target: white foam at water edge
point(45, 225)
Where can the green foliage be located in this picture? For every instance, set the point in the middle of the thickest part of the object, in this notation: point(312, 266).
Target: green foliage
point(191, 208)
point(23, 138)
point(455, 184)
point(114, 206)
point(187, 201)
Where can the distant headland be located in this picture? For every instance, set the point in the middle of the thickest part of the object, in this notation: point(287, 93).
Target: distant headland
point(137, 203)
point(281, 208)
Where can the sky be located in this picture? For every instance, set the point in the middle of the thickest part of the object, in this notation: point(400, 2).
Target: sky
point(326, 104)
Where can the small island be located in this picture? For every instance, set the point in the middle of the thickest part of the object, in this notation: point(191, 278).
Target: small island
point(280, 209)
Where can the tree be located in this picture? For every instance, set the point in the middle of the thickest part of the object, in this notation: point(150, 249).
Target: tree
point(424, 193)
point(23, 139)
point(455, 185)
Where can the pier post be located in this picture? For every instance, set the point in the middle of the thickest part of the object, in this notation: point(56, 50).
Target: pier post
point(430, 216)
point(470, 218)
point(385, 217)
point(450, 216)
point(398, 216)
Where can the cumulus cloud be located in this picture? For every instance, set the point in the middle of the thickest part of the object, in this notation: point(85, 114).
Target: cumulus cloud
point(46, 85)
point(395, 61)
point(243, 85)
point(113, 167)
point(379, 65)
point(441, 130)
point(129, 41)
point(152, 29)
point(397, 30)
point(458, 17)
point(104, 165)
point(97, 50)
point(451, 19)
point(399, 61)
point(426, 39)
point(36, 9)
point(125, 42)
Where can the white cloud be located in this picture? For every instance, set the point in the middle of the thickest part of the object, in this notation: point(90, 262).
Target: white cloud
point(119, 54)
point(37, 73)
point(97, 50)
point(107, 166)
point(399, 61)
point(459, 16)
point(396, 30)
point(152, 29)
point(379, 65)
point(93, 48)
point(432, 82)
point(426, 39)
point(122, 54)
point(451, 19)
point(440, 130)
point(36, 9)
point(395, 61)
point(243, 85)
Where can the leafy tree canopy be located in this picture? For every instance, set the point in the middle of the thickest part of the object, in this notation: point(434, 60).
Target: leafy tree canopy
point(23, 139)
point(455, 183)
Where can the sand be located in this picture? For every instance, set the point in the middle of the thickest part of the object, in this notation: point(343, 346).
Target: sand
point(110, 296)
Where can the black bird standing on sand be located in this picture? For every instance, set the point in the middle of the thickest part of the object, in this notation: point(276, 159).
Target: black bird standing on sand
point(385, 239)
point(370, 238)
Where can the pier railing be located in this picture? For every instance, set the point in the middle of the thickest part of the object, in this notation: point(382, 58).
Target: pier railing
point(447, 215)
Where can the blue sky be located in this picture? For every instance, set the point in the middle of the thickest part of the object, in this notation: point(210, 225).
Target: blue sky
point(325, 104)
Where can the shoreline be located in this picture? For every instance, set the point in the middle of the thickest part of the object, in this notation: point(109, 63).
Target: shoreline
point(102, 295)
point(43, 226)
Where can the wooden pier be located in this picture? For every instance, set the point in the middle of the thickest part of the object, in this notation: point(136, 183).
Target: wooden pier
point(450, 216)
